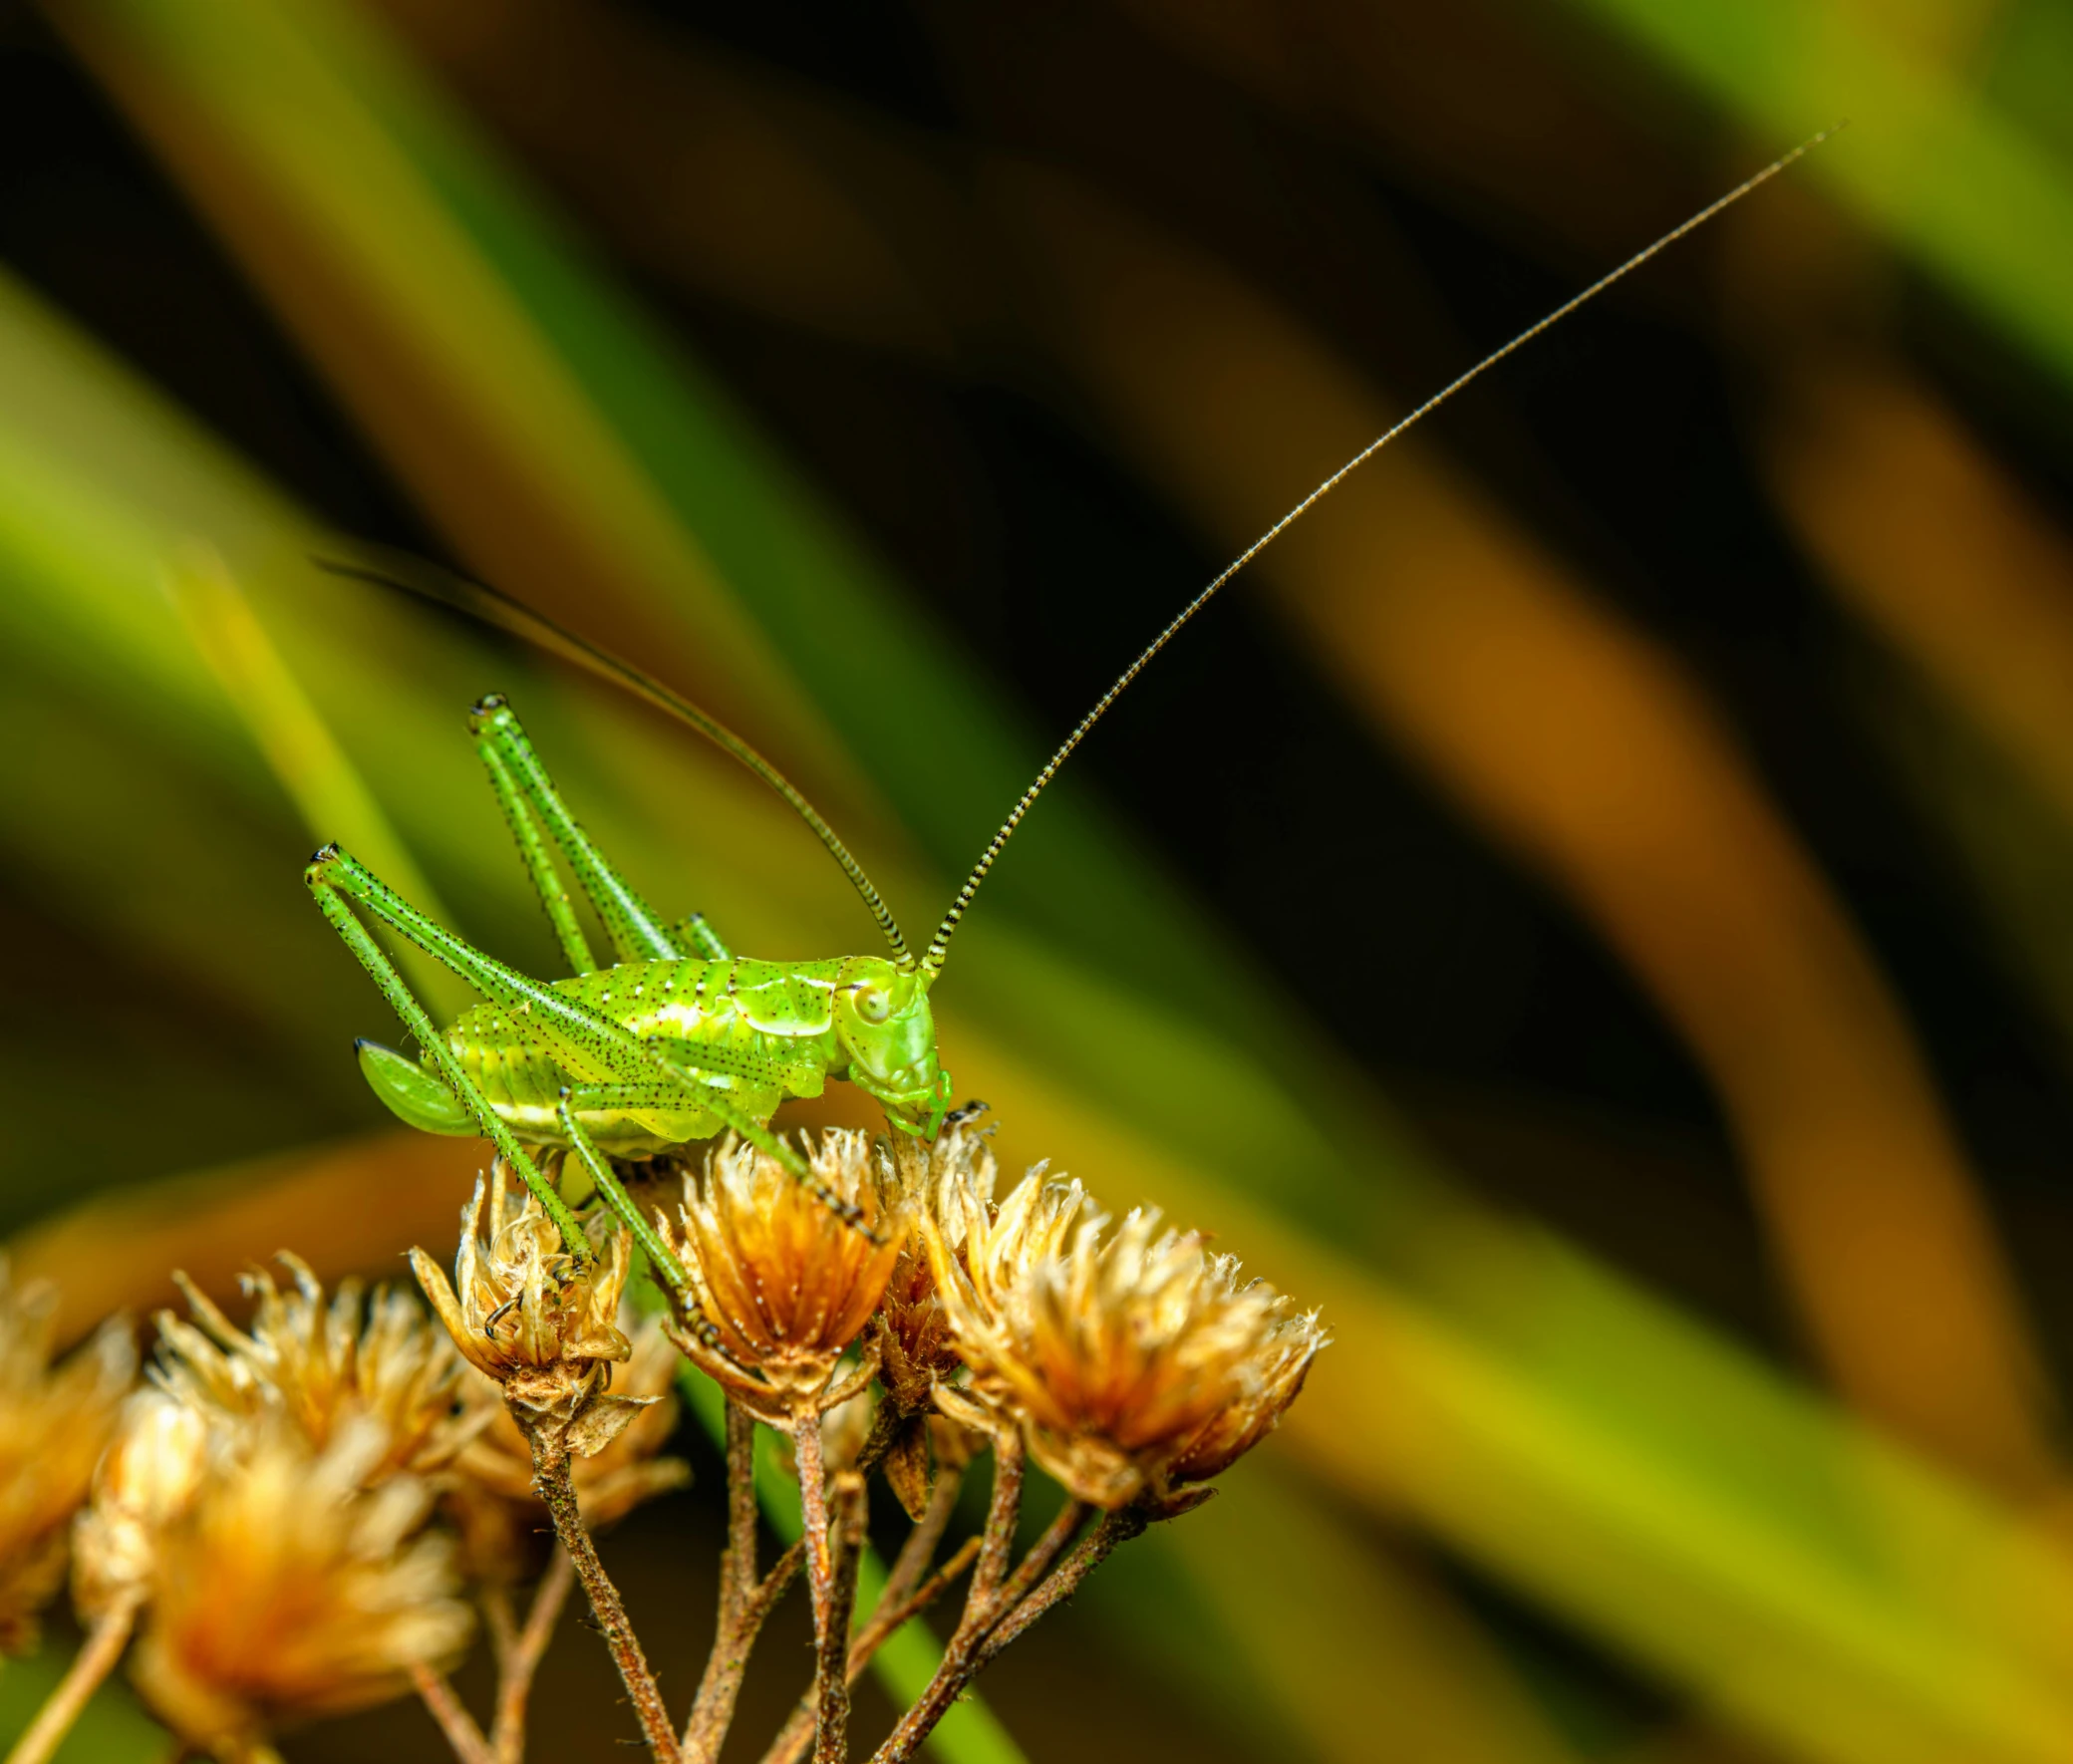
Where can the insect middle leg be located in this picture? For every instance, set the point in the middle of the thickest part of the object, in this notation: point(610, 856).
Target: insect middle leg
point(686, 1091)
point(661, 1258)
point(536, 813)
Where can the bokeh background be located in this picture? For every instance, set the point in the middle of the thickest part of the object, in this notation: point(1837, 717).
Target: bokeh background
point(1593, 909)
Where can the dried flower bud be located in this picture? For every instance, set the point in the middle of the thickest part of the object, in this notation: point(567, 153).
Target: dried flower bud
point(1127, 1361)
point(527, 1315)
point(319, 1366)
point(924, 1448)
point(54, 1424)
point(291, 1590)
point(147, 1480)
point(916, 1348)
point(784, 1285)
point(503, 1522)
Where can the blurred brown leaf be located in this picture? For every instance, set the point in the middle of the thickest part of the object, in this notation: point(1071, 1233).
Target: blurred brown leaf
point(350, 1208)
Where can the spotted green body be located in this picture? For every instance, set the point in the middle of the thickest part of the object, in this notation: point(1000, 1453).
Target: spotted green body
point(761, 1030)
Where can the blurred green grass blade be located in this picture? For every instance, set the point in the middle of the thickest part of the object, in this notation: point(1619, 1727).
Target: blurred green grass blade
point(1653, 1482)
point(418, 224)
point(327, 121)
point(2011, 839)
point(1289, 1625)
point(111, 1729)
point(969, 1733)
point(300, 749)
point(1633, 1472)
point(1958, 182)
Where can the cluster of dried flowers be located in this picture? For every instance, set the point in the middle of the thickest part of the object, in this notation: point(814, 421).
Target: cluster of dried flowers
point(316, 1513)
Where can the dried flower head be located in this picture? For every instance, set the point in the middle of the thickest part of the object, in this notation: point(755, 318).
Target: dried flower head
point(1128, 1358)
point(147, 1480)
point(525, 1314)
point(494, 1505)
point(290, 1589)
point(784, 1285)
point(54, 1424)
point(319, 1366)
point(916, 1347)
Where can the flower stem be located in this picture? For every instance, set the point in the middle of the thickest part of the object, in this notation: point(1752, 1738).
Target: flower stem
point(744, 1600)
point(905, 1594)
point(551, 1476)
point(518, 1661)
point(831, 1556)
point(459, 1727)
point(97, 1657)
point(1115, 1527)
point(1002, 1604)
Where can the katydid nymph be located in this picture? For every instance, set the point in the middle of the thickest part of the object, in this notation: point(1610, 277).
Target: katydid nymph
point(678, 1038)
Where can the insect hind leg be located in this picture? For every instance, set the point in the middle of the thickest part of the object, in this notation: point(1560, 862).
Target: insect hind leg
point(322, 878)
point(537, 814)
point(686, 1091)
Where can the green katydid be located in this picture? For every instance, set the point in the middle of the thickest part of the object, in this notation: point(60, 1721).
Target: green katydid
point(678, 1039)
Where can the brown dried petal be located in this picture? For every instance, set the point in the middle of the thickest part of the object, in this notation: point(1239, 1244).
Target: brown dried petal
point(602, 1421)
point(323, 1364)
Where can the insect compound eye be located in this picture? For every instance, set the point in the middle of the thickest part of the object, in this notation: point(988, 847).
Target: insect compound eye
point(872, 1004)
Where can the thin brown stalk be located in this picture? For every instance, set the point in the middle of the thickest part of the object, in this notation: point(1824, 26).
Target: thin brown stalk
point(833, 1544)
point(831, 1651)
point(886, 1422)
point(1043, 1553)
point(519, 1655)
point(858, 1379)
point(1001, 1605)
point(495, 1602)
point(1003, 1513)
point(744, 1600)
point(901, 1599)
point(983, 1609)
point(922, 1541)
point(96, 1658)
point(551, 1476)
point(1064, 1582)
point(459, 1727)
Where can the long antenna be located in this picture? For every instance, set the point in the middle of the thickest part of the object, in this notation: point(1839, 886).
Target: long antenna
point(494, 607)
point(938, 945)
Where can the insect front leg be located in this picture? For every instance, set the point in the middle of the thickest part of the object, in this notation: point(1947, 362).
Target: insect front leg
point(333, 901)
point(606, 1180)
point(538, 813)
point(659, 1256)
point(681, 1087)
